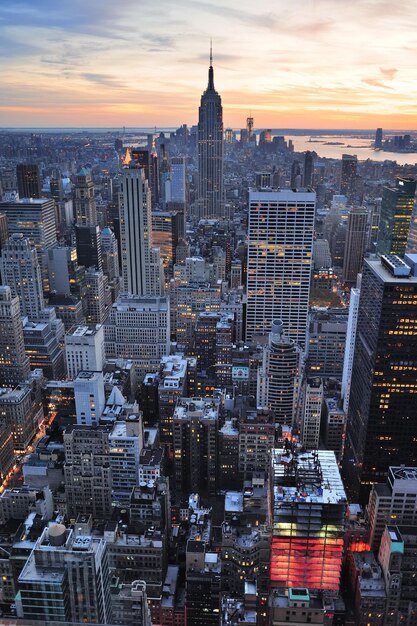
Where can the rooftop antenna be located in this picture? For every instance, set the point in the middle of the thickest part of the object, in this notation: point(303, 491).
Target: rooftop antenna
point(211, 52)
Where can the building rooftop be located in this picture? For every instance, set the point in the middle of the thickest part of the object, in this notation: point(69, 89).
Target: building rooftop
point(84, 331)
point(203, 408)
point(311, 477)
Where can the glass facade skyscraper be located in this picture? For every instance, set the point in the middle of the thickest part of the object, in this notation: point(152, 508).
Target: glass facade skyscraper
point(382, 419)
point(396, 211)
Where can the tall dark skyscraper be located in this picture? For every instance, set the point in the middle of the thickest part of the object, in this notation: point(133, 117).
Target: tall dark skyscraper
point(28, 180)
point(308, 168)
point(348, 175)
point(378, 138)
point(396, 212)
point(382, 419)
point(210, 152)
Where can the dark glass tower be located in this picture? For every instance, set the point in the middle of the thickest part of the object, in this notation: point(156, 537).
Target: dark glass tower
point(210, 152)
point(382, 419)
point(396, 212)
point(28, 180)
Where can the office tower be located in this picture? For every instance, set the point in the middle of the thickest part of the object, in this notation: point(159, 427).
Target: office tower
point(309, 510)
point(210, 152)
point(278, 376)
point(60, 565)
point(14, 362)
point(378, 138)
point(374, 211)
point(326, 342)
point(334, 423)
point(257, 432)
point(236, 270)
point(43, 344)
point(395, 500)
point(166, 228)
point(85, 203)
point(138, 328)
point(265, 138)
point(382, 419)
point(66, 276)
point(125, 444)
point(4, 231)
point(97, 296)
point(172, 384)
point(89, 397)
point(350, 346)
point(88, 243)
point(396, 212)
point(87, 472)
point(141, 264)
point(28, 181)
point(355, 243)
point(296, 178)
point(178, 183)
point(203, 585)
point(311, 413)
point(195, 428)
point(148, 161)
point(308, 168)
point(19, 268)
point(249, 127)
point(84, 349)
point(348, 174)
point(33, 218)
point(22, 413)
point(279, 261)
point(110, 253)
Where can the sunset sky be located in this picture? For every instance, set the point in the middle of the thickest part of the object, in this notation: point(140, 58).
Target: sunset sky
point(292, 63)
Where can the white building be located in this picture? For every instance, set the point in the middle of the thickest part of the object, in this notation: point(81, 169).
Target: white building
point(350, 346)
point(279, 261)
point(142, 265)
point(278, 376)
point(311, 416)
point(89, 397)
point(138, 328)
point(84, 349)
point(125, 445)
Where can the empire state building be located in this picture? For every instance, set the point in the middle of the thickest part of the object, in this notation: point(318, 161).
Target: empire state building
point(210, 152)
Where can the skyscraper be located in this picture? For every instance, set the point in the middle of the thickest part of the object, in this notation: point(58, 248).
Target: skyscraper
point(378, 138)
point(85, 204)
point(355, 243)
point(14, 362)
point(277, 376)
point(348, 175)
point(279, 261)
point(28, 180)
point(382, 418)
point(210, 152)
point(142, 267)
point(308, 168)
point(34, 218)
point(88, 242)
point(396, 211)
point(19, 268)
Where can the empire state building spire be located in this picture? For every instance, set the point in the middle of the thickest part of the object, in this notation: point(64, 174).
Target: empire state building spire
point(210, 151)
point(210, 86)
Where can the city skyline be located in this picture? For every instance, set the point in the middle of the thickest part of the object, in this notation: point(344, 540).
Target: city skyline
point(128, 65)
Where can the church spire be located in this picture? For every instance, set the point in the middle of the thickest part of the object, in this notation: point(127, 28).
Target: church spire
point(210, 86)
